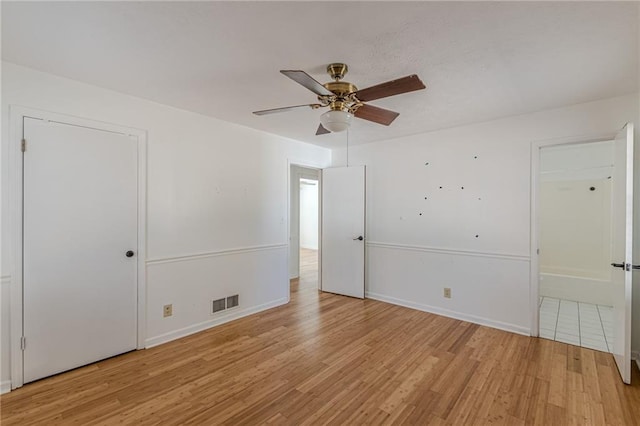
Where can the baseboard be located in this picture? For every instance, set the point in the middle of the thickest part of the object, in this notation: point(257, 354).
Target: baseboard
point(635, 355)
point(451, 314)
point(5, 386)
point(219, 320)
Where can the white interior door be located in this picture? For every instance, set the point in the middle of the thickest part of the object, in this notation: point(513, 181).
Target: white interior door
point(622, 250)
point(343, 226)
point(80, 220)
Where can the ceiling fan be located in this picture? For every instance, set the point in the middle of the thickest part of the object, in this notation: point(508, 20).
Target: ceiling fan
point(345, 100)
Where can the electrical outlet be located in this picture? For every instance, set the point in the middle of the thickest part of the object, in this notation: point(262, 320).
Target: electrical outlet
point(447, 292)
point(167, 310)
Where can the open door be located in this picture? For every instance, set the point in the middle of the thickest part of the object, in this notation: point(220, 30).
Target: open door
point(622, 243)
point(343, 225)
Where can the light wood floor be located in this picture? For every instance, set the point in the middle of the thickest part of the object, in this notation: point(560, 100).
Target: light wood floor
point(308, 268)
point(329, 359)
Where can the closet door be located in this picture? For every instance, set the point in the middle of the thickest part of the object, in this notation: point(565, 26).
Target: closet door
point(80, 237)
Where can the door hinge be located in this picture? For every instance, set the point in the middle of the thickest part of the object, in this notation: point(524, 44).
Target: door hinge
point(23, 343)
point(23, 145)
point(538, 251)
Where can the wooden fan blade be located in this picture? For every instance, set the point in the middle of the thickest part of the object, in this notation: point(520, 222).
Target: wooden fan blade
point(390, 88)
point(283, 109)
point(307, 81)
point(321, 130)
point(375, 114)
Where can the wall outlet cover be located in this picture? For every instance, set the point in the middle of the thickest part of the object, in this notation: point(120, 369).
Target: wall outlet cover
point(167, 310)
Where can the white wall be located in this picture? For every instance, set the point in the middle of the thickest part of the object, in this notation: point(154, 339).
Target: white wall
point(216, 202)
point(422, 237)
point(309, 215)
point(575, 228)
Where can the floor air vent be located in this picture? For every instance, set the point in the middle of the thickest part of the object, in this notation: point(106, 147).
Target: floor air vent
point(217, 305)
point(232, 301)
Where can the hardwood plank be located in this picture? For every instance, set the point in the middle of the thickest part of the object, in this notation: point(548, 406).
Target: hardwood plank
point(324, 358)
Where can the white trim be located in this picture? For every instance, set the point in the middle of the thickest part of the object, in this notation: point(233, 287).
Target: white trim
point(5, 386)
point(142, 238)
point(534, 279)
point(15, 212)
point(628, 129)
point(504, 256)
point(320, 184)
point(219, 320)
point(228, 252)
point(291, 190)
point(16, 129)
point(450, 314)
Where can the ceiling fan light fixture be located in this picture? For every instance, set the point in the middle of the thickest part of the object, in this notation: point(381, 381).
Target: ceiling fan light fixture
point(345, 100)
point(336, 121)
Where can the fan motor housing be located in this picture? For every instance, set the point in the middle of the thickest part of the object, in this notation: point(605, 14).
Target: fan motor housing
point(341, 88)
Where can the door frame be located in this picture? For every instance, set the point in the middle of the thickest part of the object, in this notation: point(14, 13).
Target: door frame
point(534, 264)
point(16, 303)
point(301, 163)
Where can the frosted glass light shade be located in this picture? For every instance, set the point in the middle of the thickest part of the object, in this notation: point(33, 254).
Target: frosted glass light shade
point(336, 121)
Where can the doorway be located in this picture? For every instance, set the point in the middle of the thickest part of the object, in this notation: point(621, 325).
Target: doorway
point(305, 228)
point(309, 208)
point(575, 231)
point(327, 230)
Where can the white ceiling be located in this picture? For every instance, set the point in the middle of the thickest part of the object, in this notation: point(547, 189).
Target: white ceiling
point(480, 61)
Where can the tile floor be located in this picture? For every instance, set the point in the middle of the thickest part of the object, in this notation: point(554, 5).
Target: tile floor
point(577, 323)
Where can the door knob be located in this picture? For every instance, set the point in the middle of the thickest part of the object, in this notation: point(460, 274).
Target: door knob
point(129, 253)
point(625, 266)
point(360, 238)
